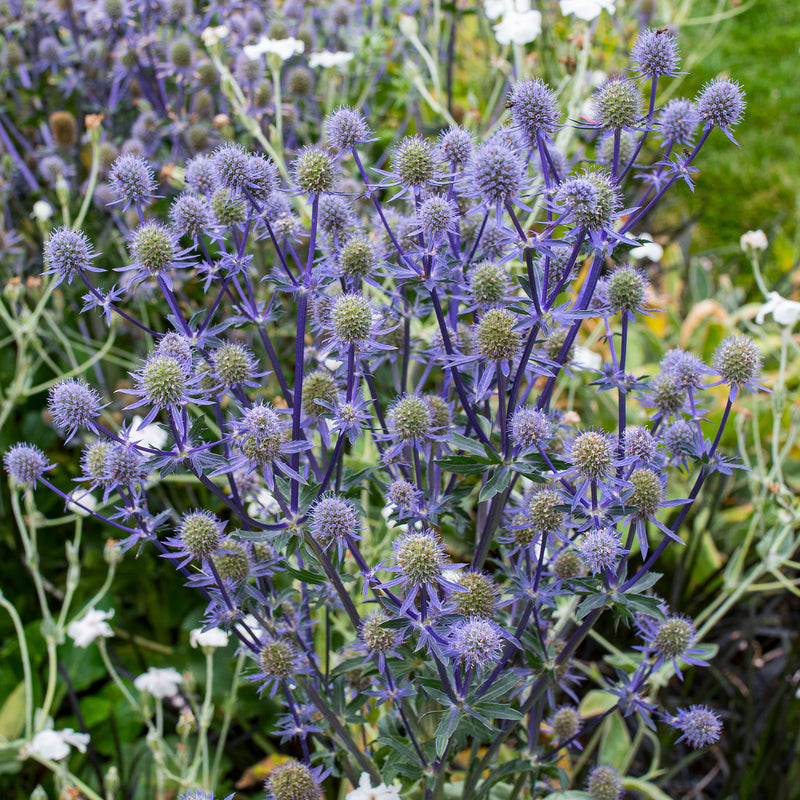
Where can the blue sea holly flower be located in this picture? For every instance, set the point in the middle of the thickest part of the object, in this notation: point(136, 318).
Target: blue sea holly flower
point(699, 726)
point(68, 253)
point(25, 463)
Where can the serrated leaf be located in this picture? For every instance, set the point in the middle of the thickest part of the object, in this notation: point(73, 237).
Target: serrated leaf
point(445, 729)
point(496, 484)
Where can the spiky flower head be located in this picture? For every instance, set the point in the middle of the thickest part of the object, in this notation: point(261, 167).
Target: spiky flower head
point(521, 531)
point(351, 319)
point(441, 415)
point(679, 436)
point(180, 53)
point(648, 491)
point(25, 463)
point(232, 166)
point(300, 81)
point(604, 783)
point(318, 385)
point(600, 549)
point(687, 368)
point(456, 145)
point(358, 257)
point(263, 177)
point(488, 283)
point(293, 781)
point(592, 454)
point(640, 444)
point(177, 346)
point(73, 404)
point(721, 103)
point(618, 103)
point(566, 723)
point(666, 394)
point(260, 434)
point(64, 128)
point(162, 380)
point(677, 120)
point(655, 53)
point(476, 642)
point(153, 248)
point(673, 637)
point(122, 466)
point(201, 174)
point(415, 162)
point(410, 418)
point(437, 215)
point(497, 173)
point(93, 460)
point(544, 514)
point(420, 556)
point(497, 340)
point(200, 533)
point(132, 179)
point(232, 561)
point(278, 659)
point(699, 726)
point(346, 128)
point(626, 289)
point(591, 198)
point(227, 209)
point(376, 636)
point(737, 360)
point(335, 214)
point(333, 518)
point(233, 363)
point(190, 215)
point(67, 253)
point(480, 595)
point(402, 494)
point(313, 171)
point(568, 564)
point(534, 108)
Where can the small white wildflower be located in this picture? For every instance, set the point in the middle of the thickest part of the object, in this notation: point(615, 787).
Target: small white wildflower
point(327, 59)
point(264, 502)
point(82, 502)
point(55, 745)
point(366, 791)
point(283, 48)
point(214, 34)
point(755, 240)
point(42, 210)
point(213, 637)
point(784, 312)
point(92, 625)
point(584, 358)
point(586, 9)
point(152, 436)
point(649, 250)
point(160, 683)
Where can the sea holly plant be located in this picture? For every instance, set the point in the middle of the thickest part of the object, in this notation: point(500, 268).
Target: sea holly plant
point(404, 346)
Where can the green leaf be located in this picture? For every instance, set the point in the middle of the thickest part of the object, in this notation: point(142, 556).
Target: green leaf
point(471, 446)
point(496, 484)
point(464, 465)
point(615, 743)
point(445, 729)
point(596, 702)
point(646, 788)
point(12, 714)
point(306, 576)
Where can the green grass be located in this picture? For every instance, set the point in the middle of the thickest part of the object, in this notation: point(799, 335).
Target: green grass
point(759, 185)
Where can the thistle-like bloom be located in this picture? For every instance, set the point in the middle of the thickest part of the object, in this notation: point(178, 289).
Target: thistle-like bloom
point(671, 639)
point(313, 171)
point(480, 595)
point(592, 455)
point(25, 463)
point(132, 180)
point(476, 642)
point(699, 726)
point(655, 53)
point(201, 175)
point(378, 639)
point(73, 404)
point(639, 445)
point(618, 103)
point(626, 290)
point(419, 561)
point(190, 215)
point(604, 783)
point(488, 284)
point(737, 360)
point(530, 428)
point(687, 368)
point(496, 336)
point(721, 104)
point(565, 722)
point(161, 382)
point(534, 109)
point(456, 146)
point(601, 550)
point(437, 216)
point(415, 163)
point(497, 175)
point(199, 536)
point(294, 781)
point(154, 251)
point(591, 199)
point(357, 257)
point(410, 419)
point(278, 661)
point(334, 520)
point(346, 128)
point(68, 253)
point(677, 121)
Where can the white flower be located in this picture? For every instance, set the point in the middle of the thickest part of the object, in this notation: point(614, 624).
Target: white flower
point(494, 8)
point(784, 312)
point(583, 358)
point(160, 683)
point(42, 210)
point(213, 637)
point(283, 48)
point(254, 625)
point(327, 59)
point(365, 791)
point(212, 35)
point(152, 436)
point(586, 9)
point(54, 745)
point(757, 240)
point(518, 28)
point(263, 502)
point(88, 503)
point(92, 625)
point(649, 250)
